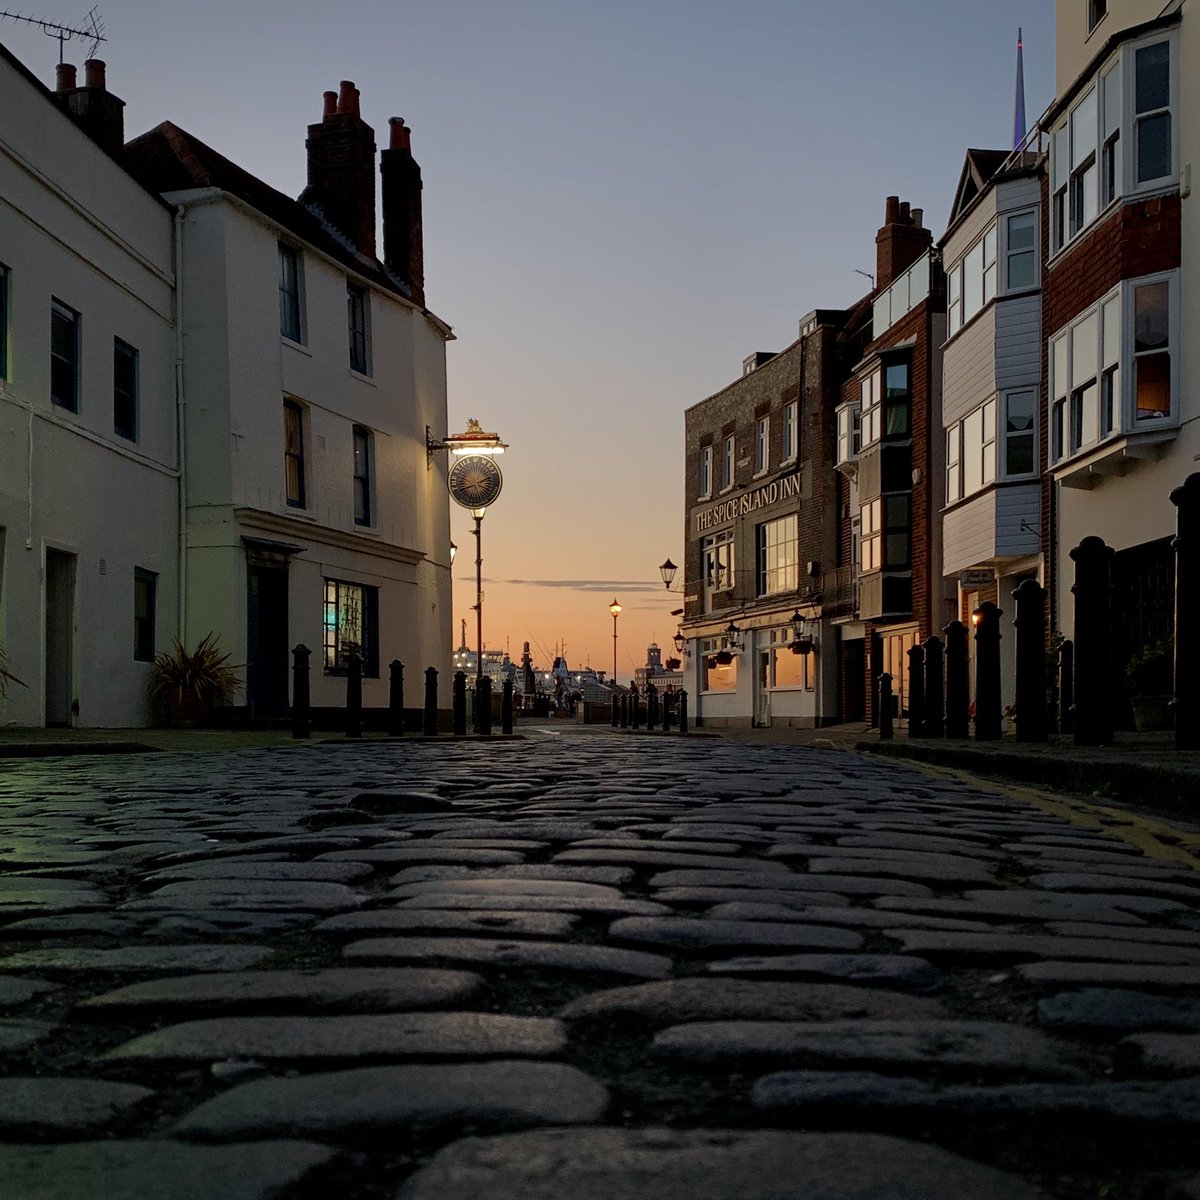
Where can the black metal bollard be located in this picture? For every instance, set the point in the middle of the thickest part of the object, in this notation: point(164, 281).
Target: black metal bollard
point(506, 706)
point(1093, 643)
point(354, 695)
point(458, 692)
point(623, 705)
point(483, 706)
point(989, 709)
point(301, 705)
point(635, 708)
point(1186, 499)
point(395, 698)
point(958, 681)
point(430, 722)
point(1032, 722)
point(1066, 687)
point(651, 706)
point(668, 699)
point(886, 730)
point(935, 683)
point(614, 713)
point(916, 692)
point(683, 724)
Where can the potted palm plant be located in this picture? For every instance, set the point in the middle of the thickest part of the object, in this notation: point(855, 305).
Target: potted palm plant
point(185, 686)
point(1149, 676)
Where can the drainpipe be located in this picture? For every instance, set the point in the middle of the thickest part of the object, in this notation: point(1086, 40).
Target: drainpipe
point(181, 422)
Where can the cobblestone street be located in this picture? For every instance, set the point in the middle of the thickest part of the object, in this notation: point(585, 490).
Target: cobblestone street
point(579, 965)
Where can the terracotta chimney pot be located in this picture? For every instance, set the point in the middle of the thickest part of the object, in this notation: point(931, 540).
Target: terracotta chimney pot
point(93, 73)
point(65, 77)
point(401, 135)
point(892, 210)
point(330, 104)
point(348, 98)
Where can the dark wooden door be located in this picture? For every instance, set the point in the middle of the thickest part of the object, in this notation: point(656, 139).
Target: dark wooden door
point(267, 640)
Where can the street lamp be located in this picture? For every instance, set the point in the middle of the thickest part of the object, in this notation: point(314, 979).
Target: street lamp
point(615, 609)
point(474, 482)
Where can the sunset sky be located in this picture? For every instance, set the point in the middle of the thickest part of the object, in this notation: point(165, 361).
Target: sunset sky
point(623, 198)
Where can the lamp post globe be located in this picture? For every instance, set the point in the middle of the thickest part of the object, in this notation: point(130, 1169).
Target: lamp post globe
point(615, 609)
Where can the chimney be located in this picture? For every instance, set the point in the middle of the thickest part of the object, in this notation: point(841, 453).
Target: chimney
point(93, 107)
point(403, 241)
point(900, 242)
point(341, 169)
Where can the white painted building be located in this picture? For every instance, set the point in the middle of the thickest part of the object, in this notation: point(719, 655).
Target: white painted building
point(215, 403)
point(88, 459)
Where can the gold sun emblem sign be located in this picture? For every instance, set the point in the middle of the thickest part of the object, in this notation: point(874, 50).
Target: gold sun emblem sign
point(475, 481)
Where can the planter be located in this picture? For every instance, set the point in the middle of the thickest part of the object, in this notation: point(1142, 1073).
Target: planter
point(1152, 713)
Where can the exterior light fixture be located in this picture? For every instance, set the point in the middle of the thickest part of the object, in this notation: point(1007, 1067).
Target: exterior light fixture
point(667, 571)
point(615, 609)
point(680, 643)
point(476, 440)
point(976, 617)
point(453, 552)
point(733, 637)
point(802, 640)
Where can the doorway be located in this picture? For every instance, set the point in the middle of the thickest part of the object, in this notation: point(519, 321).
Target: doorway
point(61, 706)
point(267, 637)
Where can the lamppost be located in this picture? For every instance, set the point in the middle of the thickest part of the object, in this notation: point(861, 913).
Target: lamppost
point(474, 482)
point(615, 609)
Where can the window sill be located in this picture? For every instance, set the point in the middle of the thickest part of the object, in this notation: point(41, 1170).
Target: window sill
point(788, 462)
point(363, 377)
point(760, 474)
point(1140, 191)
point(1113, 458)
point(299, 346)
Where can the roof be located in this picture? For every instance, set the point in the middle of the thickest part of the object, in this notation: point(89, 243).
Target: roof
point(169, 159)
point(981, 170)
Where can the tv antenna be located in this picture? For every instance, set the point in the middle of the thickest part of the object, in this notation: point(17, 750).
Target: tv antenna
point(90, 29)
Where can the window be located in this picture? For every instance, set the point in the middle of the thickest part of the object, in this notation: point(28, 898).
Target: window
point(871, 544)
point(971, 283)
point(125, 390)
point(1151, 351)
point(727, 465)
point(1152, 111)
point(762, 442)
point(351, 625)
point(954, 464)
point(64, 356)
point(1130, 103)
point(1019, 411)
point(897, 528)
point(1020, 255)
point(362, 476)
point(3, 322)
point(848, 433)
point(1095, 12)
point(356, 308)
point(289, 292)
point(896, 399)
point(706, 468)
point(971, 453)
point(293, 433)
point(791, 431)
point(1128, 335)
point(788, 669)
point(717, 554)
point(778, 555)
point(718, 676)
point(871, 409)
point(145, 588)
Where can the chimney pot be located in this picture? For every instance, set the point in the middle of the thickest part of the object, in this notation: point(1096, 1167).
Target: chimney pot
point(65, 77)
point(331, 99)
point(918, 218)
point(905, 217)
point(892, 211)
point(401, 135)
point(93, 73)
point(348, 99)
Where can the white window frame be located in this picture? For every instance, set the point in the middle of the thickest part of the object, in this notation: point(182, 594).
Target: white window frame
point(870, 546)
point(1007, 253)
point(706, 472)
point(717, 561)
point(870, 418)
point(780, 538)
point(762, 445)
point(728, 464)
point(1008, 436)
point(1061, 343)
point(1112, 161)
point(791, 431)
point(954, 477)
point(963, 305)
point(973, 439)
point(289, 251)
point(849, 433)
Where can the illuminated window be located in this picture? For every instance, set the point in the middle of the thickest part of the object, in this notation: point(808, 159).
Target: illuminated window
point(1152, 351)
point(871, 408)
point(718, 675)
point(351, 626)
point(788, 668)
point(778, 550)
point(871, 534)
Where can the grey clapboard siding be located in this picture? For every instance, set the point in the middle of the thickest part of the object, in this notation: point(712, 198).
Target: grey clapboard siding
point(969, 367)
point(1018, 341)
point(969, 534)
point(1014, 504)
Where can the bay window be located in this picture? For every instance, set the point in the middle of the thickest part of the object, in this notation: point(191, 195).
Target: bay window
point(871, 535)
point(1151, 351)
point(870, 407)
point(1020, 251)
point(1020, 408)
point(848, 433)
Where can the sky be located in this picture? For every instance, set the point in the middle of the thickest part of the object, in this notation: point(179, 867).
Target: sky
point(622, 200)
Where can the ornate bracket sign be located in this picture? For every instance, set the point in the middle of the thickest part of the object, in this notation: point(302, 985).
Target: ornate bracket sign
point(475, 481)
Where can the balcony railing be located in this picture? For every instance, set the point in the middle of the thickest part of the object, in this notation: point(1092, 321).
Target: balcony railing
point(839, 592)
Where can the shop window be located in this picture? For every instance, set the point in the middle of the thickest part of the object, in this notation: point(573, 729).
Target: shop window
point(351, 625)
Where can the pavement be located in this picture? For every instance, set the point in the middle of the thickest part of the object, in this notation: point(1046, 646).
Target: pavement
point(587, 964)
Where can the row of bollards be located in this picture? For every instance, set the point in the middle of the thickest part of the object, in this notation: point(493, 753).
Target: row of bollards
point(662, 710)
point(302, 705)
